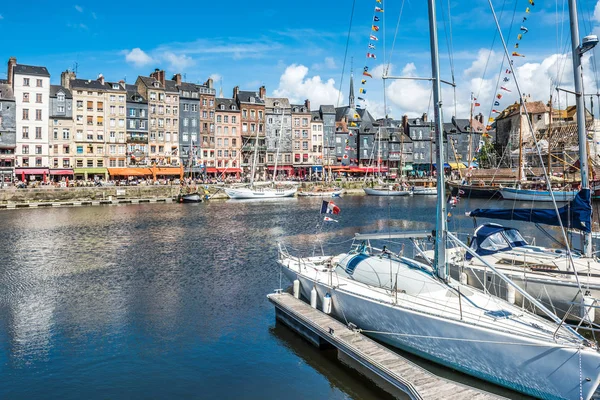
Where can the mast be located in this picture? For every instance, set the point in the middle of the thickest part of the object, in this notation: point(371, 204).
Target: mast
point(470, 154)
point(520, 176)
point(579, 102)
point(379, 152)
point(441, 229)
point(253, 168)
point(548, 140)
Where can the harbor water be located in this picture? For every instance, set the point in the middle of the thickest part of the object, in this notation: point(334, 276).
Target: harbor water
point(169, 300)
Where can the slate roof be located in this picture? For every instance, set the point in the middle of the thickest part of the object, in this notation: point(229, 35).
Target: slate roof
point(244, 97)
point(132, 91)
point(316, 116)
point(171, 86)
point(87, 84)
point(149, 82)
point(189, 87)
point(327, 109)
point(283, 102)
point(227, 103)
point(110, 86)
point(54, 89)
point(30, 70)
point(6, 92)
point(533, 107)
point(299, 107)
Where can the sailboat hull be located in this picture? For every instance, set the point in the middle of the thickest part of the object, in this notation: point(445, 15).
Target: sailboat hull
point(536, 195)
point(533, 367)
point(247, 193)
point(385, 192)
point(332, 193)
point(473, 192)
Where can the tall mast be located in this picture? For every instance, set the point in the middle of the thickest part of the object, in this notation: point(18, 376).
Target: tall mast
point(440, 233)
point(579, 101)
point(470, 154)
point(253, 169)
point(520, 176)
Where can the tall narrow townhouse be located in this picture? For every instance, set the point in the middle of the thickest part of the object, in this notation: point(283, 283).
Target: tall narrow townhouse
point(89, 101)
point(327, 113)
point(8, 139)
point(316, 144)
point(62, 133)
point(301, 138)
point(115, 124)
point(189, 121)
point(31, 87)
point(137, 127)
point(228, 138)
point(278, 136)
point(252, 106)
point(207, 123)
point(163, 105)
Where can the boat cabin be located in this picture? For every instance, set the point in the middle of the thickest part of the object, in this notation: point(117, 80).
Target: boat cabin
point(493, 238)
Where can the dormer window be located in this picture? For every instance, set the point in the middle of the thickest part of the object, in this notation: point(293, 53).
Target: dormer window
point(60, 97)
point(222, 107)
point(276, 104)
point(252, 100)
point(156, 84)
point(233, 107)
point(115, 86)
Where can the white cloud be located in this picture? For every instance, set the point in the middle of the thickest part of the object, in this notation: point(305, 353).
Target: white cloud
point(177, 62)
point(297, 86)
point(330, 63)
point(137, 57)
point(79, 8)
point(597, 12)
point(216, 77)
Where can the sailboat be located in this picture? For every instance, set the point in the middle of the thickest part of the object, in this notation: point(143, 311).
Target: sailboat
point(254, 191)
point(562, 279)
point(420, 309)
point(187, 192)
point(382, 189)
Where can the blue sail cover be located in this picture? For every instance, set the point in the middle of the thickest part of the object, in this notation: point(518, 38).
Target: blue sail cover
point(577, 214)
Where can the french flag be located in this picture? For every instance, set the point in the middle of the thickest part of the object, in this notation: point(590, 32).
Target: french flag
point(328, 207)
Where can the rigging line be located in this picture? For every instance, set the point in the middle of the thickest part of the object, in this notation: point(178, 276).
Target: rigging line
point(490, 52)
point(346, 53)
point(448, 34)
point(387, 68)
point(539, 152)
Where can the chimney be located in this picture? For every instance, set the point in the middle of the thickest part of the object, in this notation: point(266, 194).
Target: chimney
point(236, 90)
point(122, 82)
point(424, 117)
point(405, 123)
point(101, 78)
point(177, 79)
point(307, 104)
point(480, 118)
point(11, 65)
point(66, 77)
point(209, 83)
point(262, 92)
point(159, 75)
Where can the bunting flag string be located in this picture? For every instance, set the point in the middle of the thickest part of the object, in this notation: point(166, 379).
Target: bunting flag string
point(523, 30)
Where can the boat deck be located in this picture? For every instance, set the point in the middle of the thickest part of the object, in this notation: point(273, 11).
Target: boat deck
point(389, 370)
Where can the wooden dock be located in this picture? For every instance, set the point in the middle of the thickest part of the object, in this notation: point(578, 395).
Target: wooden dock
point(79, 203)
point(389, 370)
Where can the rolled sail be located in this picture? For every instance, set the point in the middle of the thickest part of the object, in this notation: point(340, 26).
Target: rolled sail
point(576, 214)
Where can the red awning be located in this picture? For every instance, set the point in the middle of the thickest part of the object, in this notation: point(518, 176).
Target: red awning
point(281, 168)
point(61, 172)
point(31, 171)
point(229, 170)
point(211, 170)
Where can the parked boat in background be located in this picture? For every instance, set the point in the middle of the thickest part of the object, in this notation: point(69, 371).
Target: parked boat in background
point(392, 190)
point(321, 191)
point(537, 195)
point(422, 190)
point(258, 193)
point(473, 191)
point(189, 198)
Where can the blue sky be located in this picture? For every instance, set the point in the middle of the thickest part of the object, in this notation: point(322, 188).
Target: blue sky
point(294, 48)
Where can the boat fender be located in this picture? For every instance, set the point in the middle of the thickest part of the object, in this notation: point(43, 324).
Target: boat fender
point(510, 294)
point(327, 300)
point(313, 297)
point(464, 279)
point(588, 312)
point(297, 288)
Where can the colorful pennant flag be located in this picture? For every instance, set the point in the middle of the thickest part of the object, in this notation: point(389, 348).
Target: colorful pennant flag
point(329, 207)
point(477, 104)
point(491, 119)
point(499, 96)
point(328, 219)
point(373, 37)
point(524, 29)
point(503, 88)
point(378, 9)
point(360, 98)
point(531, 2)
point(362, 90)
point(505, 79)
point(375, 28)
point(365, 73)
point(376, 18)
point(489, 128)
point(371, 55)
point(496, 103)
point(515, 54)
point(496, 111)
point(527, 10)
point(516, 45)
point(508, 71)
point(364, 81)
point(371, 46)
point(519, 36)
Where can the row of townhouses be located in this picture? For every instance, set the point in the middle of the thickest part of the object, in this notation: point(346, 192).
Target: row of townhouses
point(88, 128)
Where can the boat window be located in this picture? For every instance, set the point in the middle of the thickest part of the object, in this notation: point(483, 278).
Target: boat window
point(495, 242)
point(515, 238)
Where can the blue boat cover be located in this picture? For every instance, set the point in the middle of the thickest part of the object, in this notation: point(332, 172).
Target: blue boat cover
point(494, 238)
point(577, 214)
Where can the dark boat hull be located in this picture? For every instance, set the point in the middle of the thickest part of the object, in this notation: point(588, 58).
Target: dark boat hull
point(476, 192)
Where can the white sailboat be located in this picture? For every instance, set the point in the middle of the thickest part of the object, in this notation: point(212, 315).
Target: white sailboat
point(255, 192)
point(420, 309)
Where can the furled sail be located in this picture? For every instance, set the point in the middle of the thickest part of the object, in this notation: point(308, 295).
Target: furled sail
point(577, 214)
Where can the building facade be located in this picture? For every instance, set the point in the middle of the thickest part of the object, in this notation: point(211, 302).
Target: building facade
point(31, 88)
point(8, 128)
point(189, 119)
point(278, 135)
point(301, 140)
point(136, 127)
point(327, 113)
point(316, 143)
point(228, 138)
point(252, 107)
point(207, 122)
point(61, 126)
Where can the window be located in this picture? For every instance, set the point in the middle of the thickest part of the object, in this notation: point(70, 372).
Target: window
point(99, 163)
point(66, 149)
point(90, 135)
point(152, 95)
point(38, 162)
point(38, 115)
point(38, 149)
point(112, 163)
point(38, 132)
point(79, 104)
point(90, 120)
point(90, 163)
point(38, 97)
point(100, 107)
point(185, 122)
point(25, 149)
point(25, 114)
point(25, 81)
point(194, 107)
point(25, 97)
point(233, 119)
point(60, 109)
point(66, 163)
point(38, 83)
point(244, 113)
point(79, 163)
